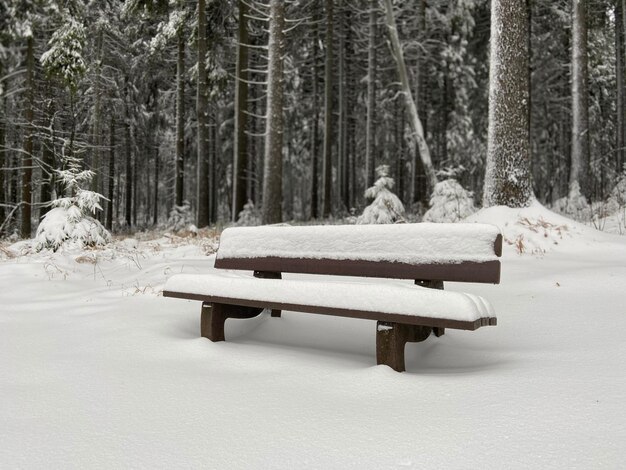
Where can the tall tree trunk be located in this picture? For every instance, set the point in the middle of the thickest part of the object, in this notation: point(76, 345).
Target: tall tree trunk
point(273, 168)
point(3, 160)
point(27, 159)
point(370, 136)
point(507, 180)
point(619, 74)
point(155, 148)
point(128, 193)
point(579, 170)
point(315, 127)
point(202, 192)
point(240, 147)
point(97, 118)
point(109, 217)
point(47, 164)
point(180, 120)
point(328, 112)
point(414, 120)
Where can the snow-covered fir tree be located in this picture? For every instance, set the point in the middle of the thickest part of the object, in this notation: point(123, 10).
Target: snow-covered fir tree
point(386, 207)
point(450, 202)
point(71, 223)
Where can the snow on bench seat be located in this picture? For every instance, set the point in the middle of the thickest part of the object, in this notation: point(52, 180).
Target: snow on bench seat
point(391, 301)
point(422, 243)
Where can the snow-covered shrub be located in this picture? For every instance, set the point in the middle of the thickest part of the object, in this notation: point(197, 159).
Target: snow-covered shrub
point(249, 216)
point(574, 206)
point(450, 202)
point(180, 217)
point(617, 198)
point(70, 222)
point(385, 208)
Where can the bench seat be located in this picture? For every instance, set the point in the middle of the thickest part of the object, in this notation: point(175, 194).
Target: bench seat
point(393, 301)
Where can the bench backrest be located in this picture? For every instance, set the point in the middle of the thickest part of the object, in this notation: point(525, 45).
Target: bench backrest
point(438, 252)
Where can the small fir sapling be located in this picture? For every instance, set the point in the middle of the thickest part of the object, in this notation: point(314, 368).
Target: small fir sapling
point(180, 217)
point(449, 203)
point(70, 223)
point(249, 216)
point(385, 208)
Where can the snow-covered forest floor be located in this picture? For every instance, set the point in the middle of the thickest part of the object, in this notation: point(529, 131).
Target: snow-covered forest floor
point(97, 370)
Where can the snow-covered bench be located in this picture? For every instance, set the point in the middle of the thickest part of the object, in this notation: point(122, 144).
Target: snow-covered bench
point(428, 254)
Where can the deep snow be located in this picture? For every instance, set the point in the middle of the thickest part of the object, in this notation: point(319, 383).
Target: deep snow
point(97, 370)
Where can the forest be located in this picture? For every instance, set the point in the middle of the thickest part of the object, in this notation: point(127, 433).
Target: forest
point(164, 113)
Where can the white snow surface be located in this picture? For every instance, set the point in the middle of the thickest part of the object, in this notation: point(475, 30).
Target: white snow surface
point(402, 298)
point(98, 371)
point(407, 243)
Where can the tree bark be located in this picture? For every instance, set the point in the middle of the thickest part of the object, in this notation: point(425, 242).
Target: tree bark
point(202, 192)
point(619, 74)
point(579, 170)
point(128, 193)
point(328, 112)
point(27, 159)
point(370, 136)
point(315, 127)
point(240, 146)
point(111, 188)
point(273, 168)
point(507, 179)
point(180, 121)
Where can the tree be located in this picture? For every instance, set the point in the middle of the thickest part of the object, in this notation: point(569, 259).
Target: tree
point(328, 112)
point(579, 180)
point(417, 129)
point(202, 109)
point(240, 150)
point(507, 178)
point(273, 167)
point(385, 208)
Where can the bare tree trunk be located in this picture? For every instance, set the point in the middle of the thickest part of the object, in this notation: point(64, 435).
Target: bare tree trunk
point(273, 168)
point(619, 74)
point(328, 112)
point(47, 163)
point(370, 136)
point(180, 120)
point(109, 217)
point(97, 118)
point(240, 147)
point(155, 149)
point(579, 170)
point(507, 180)
point(27, 159)
point(414, 120)
point(128, 193)
point(202, 192)
point(315, 129)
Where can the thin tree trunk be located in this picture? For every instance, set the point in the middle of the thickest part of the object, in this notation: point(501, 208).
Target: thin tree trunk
point(579, 170)
point(370, 136)
point(27, 159)
point(97, 118)
point(155, 148)
point(619, 74)
point(273, 168)
point(128, 193)
point(240, 147)
point(202, 192)
point(180, 120)
point(47, 167)
point(414, 120)
point(328, 112)
point(109, 217)
point(315, 128)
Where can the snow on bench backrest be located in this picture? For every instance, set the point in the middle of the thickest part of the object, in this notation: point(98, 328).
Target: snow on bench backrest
point(455, 252)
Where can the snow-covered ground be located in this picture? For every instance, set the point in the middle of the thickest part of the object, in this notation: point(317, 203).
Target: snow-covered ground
point(97, 370)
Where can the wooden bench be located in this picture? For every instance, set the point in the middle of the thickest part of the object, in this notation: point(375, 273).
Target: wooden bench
point(427, 254)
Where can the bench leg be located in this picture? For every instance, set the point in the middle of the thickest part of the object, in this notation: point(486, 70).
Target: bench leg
point(213, 317)
point(276, 313)
point(391, 338)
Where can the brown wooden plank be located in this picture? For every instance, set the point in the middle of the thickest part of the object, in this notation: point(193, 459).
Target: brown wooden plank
point(486, 272)
point(341, 312)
